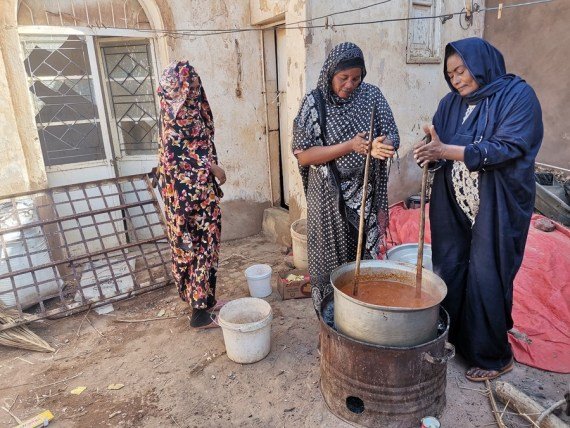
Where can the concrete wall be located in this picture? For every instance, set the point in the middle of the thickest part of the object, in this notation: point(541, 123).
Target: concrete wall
point(536, 44)
point(13, 174)
point(230, 67)
point(20, 153)
point(412, 90)
point(266, 11)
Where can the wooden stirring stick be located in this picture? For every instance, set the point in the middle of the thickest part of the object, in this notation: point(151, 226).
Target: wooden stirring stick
point(363, 204)
point(419, 265)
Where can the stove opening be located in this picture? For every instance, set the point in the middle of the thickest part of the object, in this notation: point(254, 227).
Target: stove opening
point(355, 404)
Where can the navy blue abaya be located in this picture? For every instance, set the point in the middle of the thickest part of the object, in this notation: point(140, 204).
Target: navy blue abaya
point(479, 261)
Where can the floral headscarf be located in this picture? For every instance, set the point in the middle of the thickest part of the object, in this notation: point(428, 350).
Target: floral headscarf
point(178, 84)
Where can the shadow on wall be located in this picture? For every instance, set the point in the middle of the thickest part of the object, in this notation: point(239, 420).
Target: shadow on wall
point(241, 218)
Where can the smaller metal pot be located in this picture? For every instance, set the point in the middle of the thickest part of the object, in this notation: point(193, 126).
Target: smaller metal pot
point(408, 253)
point(385, 325)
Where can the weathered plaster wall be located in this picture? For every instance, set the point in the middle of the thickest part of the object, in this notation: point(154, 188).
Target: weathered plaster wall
point(20, 152)
point(536, 45)
point(412, 90)
point(230, 67)
point(266, 11)
point(13, 174)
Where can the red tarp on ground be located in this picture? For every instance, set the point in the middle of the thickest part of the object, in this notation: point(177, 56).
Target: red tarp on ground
point(541, 312)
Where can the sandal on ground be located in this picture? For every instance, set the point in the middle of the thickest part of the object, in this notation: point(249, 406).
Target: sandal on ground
point(219, 304)
point(212, 324)
point(202, 320)
point(476, 374)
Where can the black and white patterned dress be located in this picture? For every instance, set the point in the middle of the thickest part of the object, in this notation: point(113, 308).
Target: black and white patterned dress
point(332, 235)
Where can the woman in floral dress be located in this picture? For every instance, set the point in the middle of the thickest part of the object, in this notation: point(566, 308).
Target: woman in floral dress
point(188, 168)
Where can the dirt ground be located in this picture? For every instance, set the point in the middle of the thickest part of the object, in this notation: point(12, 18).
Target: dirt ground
point(176, 377)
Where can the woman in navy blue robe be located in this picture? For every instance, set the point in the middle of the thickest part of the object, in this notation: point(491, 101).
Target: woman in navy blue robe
point(485, 137)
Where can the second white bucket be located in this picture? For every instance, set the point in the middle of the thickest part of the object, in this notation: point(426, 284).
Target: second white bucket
point(259, 280)
point(299, 239)
point(246, 326)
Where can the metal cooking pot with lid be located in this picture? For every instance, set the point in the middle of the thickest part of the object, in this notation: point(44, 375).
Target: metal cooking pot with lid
point(386, 325)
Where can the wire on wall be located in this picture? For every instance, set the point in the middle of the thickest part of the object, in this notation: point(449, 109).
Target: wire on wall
point(336, 13)
point(293, 26)
point(194, 33)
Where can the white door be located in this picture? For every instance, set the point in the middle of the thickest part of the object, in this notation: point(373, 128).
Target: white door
point(96, 118)
point(284, 142)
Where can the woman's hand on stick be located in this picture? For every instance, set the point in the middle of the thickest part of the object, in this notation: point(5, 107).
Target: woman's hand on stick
point(430, 152)
point(359, 143)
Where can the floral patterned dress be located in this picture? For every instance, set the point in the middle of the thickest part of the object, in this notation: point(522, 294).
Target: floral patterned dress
point(191, 195)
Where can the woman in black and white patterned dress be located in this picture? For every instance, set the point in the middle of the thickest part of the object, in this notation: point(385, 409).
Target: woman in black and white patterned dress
point(331, 163)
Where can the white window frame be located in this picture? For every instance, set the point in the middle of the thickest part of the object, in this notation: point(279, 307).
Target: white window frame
point(116, 139)
point(101, 101)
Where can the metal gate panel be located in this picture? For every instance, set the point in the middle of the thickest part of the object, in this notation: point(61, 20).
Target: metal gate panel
point(71, 247)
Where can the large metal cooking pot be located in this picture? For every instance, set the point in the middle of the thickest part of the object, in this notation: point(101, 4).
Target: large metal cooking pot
point(386, 325)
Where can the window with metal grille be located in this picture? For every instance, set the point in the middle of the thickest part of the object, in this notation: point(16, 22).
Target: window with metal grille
point(66, 94)
point(61, 85)
point(130, 88)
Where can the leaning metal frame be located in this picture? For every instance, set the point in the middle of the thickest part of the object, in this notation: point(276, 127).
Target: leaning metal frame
point(70, 248)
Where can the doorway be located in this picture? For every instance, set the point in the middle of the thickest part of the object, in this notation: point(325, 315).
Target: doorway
point(275, 67)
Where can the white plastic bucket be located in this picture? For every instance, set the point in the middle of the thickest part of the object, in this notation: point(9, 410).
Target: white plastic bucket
point(299, 239)
point(246, 326)
point(259, 280)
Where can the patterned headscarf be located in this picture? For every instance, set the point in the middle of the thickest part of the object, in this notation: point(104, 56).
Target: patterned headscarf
point(340, 53)
point(181, 84)
point(186, 148)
